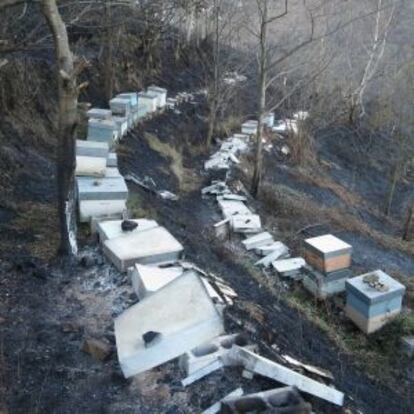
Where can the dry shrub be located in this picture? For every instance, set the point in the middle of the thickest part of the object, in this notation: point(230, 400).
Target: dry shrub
point(302, 146)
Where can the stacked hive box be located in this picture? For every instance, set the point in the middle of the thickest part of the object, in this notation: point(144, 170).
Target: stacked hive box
point(91, 158)
point(132, 97)
point(249, 127)
point(147, 103)
point(161, 95)
point(373, 299)
point(329, 259)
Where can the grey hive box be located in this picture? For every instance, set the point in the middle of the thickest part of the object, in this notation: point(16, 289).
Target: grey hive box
point(371, 308)
point(101, 188)
point(120, 106)
point(102, 130)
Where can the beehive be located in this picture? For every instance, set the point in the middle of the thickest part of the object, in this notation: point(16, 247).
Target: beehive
point(327, 253)
point(102, 130)
point(373, 299)
point(161, 94)
point(147, 103)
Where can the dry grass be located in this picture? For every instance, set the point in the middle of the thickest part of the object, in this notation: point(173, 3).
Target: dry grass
point(188, 180)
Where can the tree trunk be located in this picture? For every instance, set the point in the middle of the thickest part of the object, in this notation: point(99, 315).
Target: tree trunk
point(391, 188)
point(257, 174)
point(108, 52)
point(68, 100)
point(409, 224)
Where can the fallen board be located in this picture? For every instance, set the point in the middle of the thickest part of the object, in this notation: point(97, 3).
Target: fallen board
point(269, 369)
point(185, 317)
point(154, 246)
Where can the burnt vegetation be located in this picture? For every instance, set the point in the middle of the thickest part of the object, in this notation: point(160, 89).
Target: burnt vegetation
point(349, 170)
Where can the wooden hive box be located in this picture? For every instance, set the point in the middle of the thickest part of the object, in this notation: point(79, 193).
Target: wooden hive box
point(327, 253)
point(371, 305)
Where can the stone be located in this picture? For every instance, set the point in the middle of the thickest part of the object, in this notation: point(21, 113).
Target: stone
point(128, 225)
point(151, 338)
point(97, 348)
point(182, 312)
point(153, 246)
point(111, 229)
point(257, 240)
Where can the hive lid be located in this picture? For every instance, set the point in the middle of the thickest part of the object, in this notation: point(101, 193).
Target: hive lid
point(328, 245)
point(358, 287)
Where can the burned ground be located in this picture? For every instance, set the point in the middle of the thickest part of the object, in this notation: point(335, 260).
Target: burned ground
point(47, 309)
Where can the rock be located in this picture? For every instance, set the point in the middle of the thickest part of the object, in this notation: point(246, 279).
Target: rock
point(128, 225)
point(98, 349)
point(151, 338)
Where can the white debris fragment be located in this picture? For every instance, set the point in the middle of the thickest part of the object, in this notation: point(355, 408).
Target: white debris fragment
point(258, 240)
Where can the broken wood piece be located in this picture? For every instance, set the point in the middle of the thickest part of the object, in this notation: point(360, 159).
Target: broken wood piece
point(269, 369)
point(214, 366)
point(310, 368)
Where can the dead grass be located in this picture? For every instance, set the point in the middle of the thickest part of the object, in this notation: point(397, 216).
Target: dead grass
point(139, 208)
point(188, 180)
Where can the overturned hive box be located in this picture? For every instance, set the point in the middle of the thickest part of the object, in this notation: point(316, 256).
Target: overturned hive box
point(153, 246)
point(373, 299)
point(179, 317)
point(327, 253)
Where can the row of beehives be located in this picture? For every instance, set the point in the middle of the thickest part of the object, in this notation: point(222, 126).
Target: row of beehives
point(101, 190)
point(180, 308)
point(372, 299)
point(179, 315)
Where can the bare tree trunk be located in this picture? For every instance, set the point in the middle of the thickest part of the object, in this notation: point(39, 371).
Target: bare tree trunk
point(68, 100)
point(391, 189)
point(257, 174)
point(108, 52)
point(216, 77)
point(409, 225)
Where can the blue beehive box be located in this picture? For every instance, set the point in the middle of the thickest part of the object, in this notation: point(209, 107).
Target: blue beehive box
point(373, 299)
point(101, 130)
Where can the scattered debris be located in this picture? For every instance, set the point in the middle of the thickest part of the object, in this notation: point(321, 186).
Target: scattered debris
point(258, 240)
point(310, 368)
point(267, 368)
point(168, 195)
point(289, 267)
